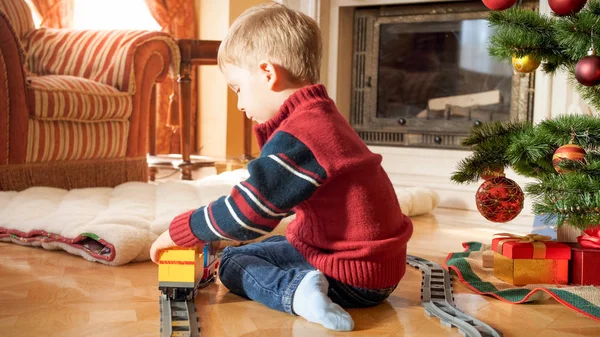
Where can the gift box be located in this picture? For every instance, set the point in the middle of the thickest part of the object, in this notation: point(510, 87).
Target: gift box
point(585, 266)
point(530, 259)
point(487, 259)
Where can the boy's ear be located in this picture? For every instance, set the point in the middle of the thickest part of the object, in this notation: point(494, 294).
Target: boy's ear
point(270, 73)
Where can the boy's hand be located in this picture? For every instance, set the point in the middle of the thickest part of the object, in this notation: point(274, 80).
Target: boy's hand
point(164, 241)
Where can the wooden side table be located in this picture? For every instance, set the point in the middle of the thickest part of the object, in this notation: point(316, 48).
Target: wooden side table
point(193, 53)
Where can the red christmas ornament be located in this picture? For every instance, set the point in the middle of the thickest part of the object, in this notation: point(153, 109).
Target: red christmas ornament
point(572, 152)
point(587, 70)
point(566, 7)
point(499, 199)
point(491, 173)
point(499, 5)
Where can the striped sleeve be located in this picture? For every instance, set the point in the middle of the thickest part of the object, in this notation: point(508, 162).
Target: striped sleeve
point(286, 174)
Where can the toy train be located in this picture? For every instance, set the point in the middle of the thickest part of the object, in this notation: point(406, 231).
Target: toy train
point(182, 271)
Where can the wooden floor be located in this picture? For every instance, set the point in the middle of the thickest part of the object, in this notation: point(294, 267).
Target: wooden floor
point(53, 293)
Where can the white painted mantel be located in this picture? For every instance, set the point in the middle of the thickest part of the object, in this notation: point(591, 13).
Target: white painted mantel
point(429, 167)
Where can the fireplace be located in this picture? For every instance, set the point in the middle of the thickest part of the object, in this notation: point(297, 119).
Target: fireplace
point(422, 75)
point(412, 162)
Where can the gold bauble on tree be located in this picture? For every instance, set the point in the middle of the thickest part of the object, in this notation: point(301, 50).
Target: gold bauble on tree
point(525, 64)
point(571, 152)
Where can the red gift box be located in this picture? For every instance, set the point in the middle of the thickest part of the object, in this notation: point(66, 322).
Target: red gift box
point(584, 266)
point(515, 248)
point(530, 259)
point(583, 269)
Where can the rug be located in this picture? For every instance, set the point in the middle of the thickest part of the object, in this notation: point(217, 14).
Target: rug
point(468, 267)
point(115, 226)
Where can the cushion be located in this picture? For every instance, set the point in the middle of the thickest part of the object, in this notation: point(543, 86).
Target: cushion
point(115, 226)
point(60, 97)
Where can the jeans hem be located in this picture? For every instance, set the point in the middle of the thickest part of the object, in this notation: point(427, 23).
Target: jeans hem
point(288, 294)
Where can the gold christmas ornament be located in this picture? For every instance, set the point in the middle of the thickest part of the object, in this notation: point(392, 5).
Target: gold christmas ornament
point(569, 151)
point(525, 64)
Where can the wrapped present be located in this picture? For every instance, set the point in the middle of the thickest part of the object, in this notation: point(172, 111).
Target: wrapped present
point(530, 259)
point(586, 259)
point(487, 259)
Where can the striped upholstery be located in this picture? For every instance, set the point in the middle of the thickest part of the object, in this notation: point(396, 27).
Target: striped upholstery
point(101, 56)
point(76, 99)
point(20, 16)
point(58, 140)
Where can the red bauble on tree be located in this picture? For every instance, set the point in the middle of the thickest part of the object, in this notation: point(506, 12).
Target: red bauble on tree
point(587, 70)
point(499, 5)
point(491, 173)
point(499, 199)
point(566, 7)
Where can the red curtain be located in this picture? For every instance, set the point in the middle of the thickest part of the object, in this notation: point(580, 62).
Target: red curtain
point(55, 13)
point(176, 17)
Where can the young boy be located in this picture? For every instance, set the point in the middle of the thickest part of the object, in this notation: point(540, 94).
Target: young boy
point(347, 244)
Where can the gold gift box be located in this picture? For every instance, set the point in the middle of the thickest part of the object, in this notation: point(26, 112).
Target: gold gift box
point(521, 272)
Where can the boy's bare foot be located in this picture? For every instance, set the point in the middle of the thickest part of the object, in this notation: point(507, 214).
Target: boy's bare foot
point(311, 302)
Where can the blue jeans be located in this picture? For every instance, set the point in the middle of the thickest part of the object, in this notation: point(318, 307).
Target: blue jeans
point(269, 272)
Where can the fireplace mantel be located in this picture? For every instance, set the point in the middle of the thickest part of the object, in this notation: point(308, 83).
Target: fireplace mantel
point(416, 166)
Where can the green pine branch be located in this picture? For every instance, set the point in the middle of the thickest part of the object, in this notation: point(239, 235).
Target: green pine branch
point(489, 142)
point(491, 132)
point(521, 32)
point(572, 197)
point(590, 94)
point(530, 152)
point(559, 42)
point(559, 130)
point(574, 34)
point(470, 169)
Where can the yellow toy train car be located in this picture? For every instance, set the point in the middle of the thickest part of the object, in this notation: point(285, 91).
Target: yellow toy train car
point(181, 271)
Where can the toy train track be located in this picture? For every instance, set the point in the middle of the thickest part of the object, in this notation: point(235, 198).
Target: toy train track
point(178, 318)
point(438, 300)
point(181, 273)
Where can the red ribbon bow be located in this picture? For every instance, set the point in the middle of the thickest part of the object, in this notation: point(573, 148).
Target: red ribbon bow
point(591, 238)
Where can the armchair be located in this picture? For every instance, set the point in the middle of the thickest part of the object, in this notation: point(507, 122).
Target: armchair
point(75, 105)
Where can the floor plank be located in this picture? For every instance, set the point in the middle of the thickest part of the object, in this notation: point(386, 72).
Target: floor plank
point(53, 293)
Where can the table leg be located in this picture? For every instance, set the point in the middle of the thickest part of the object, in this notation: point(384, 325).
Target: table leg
point(185, 120)
point(152, 170)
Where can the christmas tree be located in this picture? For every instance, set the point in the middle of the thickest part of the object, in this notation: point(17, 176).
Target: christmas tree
point(563, 153)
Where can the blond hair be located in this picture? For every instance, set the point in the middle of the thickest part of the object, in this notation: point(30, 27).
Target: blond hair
point(277, 34)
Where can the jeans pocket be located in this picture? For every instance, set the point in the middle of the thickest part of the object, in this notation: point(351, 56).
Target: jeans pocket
point(355, 297)
point(386, 291)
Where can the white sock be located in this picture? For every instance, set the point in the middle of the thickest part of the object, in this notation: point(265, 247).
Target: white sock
point(311, 302)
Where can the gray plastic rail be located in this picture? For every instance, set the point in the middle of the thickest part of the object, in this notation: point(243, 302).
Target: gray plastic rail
point(438, 300)
point(178, 318)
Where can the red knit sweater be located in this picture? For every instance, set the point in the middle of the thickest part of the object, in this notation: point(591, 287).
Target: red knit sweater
point(348, 220)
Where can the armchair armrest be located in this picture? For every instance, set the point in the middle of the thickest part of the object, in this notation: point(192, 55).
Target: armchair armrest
point(107, 57)
point(13, 102)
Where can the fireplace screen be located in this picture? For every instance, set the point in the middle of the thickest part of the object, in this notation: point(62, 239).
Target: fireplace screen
point(423, 76)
